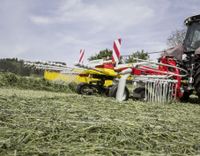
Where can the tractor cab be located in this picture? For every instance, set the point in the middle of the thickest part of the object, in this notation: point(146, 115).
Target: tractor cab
point(191, 44)
point(192, 39)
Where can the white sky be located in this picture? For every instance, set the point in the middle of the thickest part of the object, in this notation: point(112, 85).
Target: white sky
point(56, 30)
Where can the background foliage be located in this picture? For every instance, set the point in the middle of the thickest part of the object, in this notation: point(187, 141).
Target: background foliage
point(103, 54)
point(107, 54)
point(18, 67)
point(177, 37)
point(10, 80)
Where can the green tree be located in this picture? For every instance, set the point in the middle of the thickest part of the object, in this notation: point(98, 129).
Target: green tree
point(138, 54)
point(103, 54)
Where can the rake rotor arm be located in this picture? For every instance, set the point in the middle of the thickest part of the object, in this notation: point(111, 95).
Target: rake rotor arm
point(142, 66)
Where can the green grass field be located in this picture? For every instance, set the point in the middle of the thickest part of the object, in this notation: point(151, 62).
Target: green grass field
point(38, 117)
point(34, 122)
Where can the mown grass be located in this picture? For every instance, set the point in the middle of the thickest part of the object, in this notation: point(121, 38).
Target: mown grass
point(48, 123)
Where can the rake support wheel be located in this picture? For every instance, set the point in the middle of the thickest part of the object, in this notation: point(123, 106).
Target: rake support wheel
point(139, 93)
point(113, 92)
point(85, 89)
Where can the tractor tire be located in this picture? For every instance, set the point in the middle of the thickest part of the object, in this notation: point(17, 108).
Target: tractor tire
point(139, 93)
point(113, 92)
point(107, 90)
point(185, 97)
point(197, 81)
point(85, 89)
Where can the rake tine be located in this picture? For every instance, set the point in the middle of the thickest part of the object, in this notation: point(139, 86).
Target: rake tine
point(158, 89)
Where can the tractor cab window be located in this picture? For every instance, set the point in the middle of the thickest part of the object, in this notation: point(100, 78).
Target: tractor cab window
point(192, 40)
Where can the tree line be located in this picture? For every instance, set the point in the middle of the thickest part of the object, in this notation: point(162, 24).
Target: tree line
point(107, 54)
point(16, 66)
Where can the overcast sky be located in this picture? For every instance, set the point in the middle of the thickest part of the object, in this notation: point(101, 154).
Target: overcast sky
point(56, 30)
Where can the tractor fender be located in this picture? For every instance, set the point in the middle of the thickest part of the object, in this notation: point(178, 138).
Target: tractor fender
point(197, 51)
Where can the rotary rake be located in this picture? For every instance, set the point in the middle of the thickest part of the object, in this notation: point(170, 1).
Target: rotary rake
point(158, 82)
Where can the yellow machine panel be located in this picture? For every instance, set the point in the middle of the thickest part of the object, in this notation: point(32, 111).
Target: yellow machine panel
point(77, 78)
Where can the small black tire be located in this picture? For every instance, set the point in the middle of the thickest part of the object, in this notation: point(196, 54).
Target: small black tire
point(139, 93)
point(107, 90)
point(186, 96)
point(113, 92)
point(82, 89)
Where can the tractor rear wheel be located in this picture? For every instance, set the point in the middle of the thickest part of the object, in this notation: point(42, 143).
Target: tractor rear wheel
point(197, 80)
point(113, 92)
